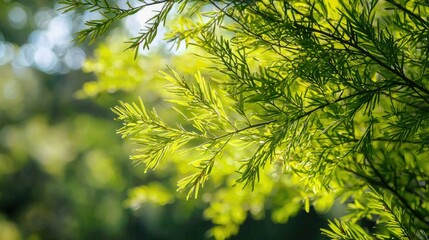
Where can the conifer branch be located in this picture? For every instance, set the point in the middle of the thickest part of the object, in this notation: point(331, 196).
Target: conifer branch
point(312, 88)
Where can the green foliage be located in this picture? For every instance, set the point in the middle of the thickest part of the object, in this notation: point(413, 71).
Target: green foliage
point(111, 12)
point(111, 69)
point(321, 100)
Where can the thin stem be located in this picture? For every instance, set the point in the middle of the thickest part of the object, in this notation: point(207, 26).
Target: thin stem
point(401, 198)
point(244, 129)
point(410, 83)
point(259, 37)
point(397, 219)
point(390, 189)
point(413, 15)
point(305, 114)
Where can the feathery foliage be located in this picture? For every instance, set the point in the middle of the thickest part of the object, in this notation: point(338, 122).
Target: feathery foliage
point(332, 93)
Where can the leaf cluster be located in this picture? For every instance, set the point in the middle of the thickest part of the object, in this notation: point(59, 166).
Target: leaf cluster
point(334, 93)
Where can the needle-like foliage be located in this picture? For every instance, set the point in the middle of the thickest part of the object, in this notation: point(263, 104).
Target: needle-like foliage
point(335, 93)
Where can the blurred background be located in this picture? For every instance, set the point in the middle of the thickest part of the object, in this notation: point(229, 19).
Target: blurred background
point(64, 173)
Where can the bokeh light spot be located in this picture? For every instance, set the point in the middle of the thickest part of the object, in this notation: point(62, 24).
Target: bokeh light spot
point(39, 39)
point(6, 52)
point(59, 30)
point(43, 17)
point(26, 55)
point(74, 58)
point(17, 17)
point(44, 59)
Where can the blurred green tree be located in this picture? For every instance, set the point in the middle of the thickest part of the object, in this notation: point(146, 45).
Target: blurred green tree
point(63, 170)
point(300, 103)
